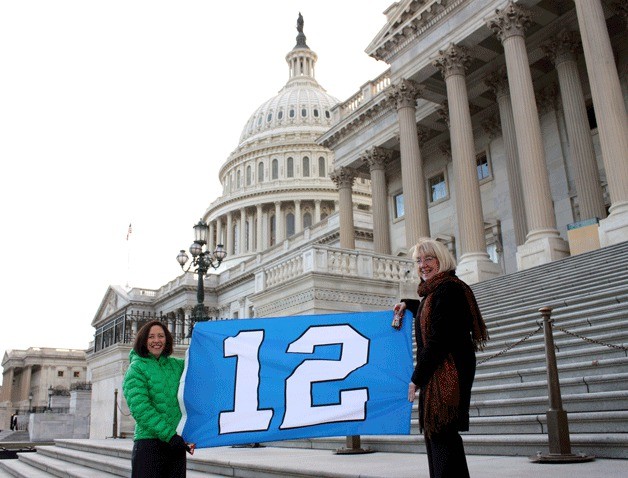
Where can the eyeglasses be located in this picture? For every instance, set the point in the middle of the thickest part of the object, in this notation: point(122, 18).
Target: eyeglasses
point(425, 260)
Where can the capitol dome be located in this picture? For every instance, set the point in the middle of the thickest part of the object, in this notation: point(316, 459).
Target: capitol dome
point(276, 183)
point(301, 103)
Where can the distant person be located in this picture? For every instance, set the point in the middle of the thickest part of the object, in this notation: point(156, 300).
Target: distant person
point(150, 387)
point(14, 421)
point(449, 329)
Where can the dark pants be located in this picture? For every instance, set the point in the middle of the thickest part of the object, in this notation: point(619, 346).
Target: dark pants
point(445, 455)
point(153, 458)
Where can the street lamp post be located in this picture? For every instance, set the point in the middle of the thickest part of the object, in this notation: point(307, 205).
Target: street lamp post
point(202, 259)
point(49, 397)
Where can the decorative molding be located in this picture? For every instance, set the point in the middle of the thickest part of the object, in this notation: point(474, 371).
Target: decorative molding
point(377, 157)
point(343, 177)
point(405, 93)
point(453, 61)
point(563, 47)
point(513, 20)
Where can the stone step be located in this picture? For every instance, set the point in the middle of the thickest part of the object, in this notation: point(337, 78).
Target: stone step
point(590, 368)
point(607, 259)
point(557, 283)
point(594, 312)
point(514, 299)
point(578, 422)
point(613, 445)
point(87, 463)
point(19, 469)
point(576, 402)
point(523, 356)
point(568, 386)
point(60, 458)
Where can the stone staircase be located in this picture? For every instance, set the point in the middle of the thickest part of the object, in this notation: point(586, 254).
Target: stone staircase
point(589, 297)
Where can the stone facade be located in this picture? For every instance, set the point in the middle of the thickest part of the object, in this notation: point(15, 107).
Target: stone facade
point(468, 138)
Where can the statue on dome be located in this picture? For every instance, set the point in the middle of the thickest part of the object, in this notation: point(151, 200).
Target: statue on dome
point(300, 37)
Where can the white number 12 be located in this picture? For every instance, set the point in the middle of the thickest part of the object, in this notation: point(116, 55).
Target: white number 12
point(299, 411)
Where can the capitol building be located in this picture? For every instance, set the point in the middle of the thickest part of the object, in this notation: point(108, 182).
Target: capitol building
point(499, 129)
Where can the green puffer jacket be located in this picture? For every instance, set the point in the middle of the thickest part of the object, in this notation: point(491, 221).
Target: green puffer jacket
point(150, 388)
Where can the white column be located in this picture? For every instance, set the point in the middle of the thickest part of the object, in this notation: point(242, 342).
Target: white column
point(562, 51)
point(610, 111)
point(377, 159)
point(543, 243)
point(219, 236)
point(417, 222)
point(212, 239)
point(279, 224)
point(344, 178)
point(498, 82)
point(474, 264)
point(298, 221)
point(259, 247)
point(242, 231)
point(229, 234)
point(317, 211)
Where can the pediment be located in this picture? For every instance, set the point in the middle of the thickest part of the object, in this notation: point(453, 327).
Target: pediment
point(405, 20)
point(115, 298)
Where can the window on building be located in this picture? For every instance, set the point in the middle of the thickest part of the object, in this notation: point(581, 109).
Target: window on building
point(289, 224)
point(303, 112)
point(398, 205)
point(59, 373)
point(591, 116)
point(280, 114)
point(275, 169)
point(437, 187)
point(291, 114)
point(290, 167)
point(315, 112)
point(306, 167)
point(273, 231)
point(269, 117)
point(248, 175)
point(481, 161)
point(327, 114)
point(239, 180)
point(77, 374)
point(321, 167)
point(260, 173)
point(307, 220)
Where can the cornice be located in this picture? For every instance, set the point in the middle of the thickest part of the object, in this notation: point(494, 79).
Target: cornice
point(371, 112)
point(405, 31)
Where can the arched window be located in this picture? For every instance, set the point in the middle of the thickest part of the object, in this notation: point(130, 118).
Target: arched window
point(307, 220)
point(275, 169)
point(321, 167)
point(239, 179)
point(290, 167)
point(289, 224)
point(260, 172)
point(248, 175)
point(306, 167)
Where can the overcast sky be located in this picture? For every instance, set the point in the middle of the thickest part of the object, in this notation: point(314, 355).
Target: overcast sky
point(121, 112)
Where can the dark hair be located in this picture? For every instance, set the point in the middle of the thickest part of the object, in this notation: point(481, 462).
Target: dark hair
point(142, 337)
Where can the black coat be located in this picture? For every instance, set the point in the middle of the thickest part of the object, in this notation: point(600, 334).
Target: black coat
point(449, 333)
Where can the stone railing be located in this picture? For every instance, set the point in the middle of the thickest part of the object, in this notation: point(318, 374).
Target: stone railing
point(368, 91)
point(328, 260)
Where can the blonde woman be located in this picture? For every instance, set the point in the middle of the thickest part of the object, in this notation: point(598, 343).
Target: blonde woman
point(449, 330)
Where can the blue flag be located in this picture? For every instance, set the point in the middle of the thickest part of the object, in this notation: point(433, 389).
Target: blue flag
point(260, 380)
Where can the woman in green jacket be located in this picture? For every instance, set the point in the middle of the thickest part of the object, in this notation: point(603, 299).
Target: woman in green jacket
point(150, 388)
